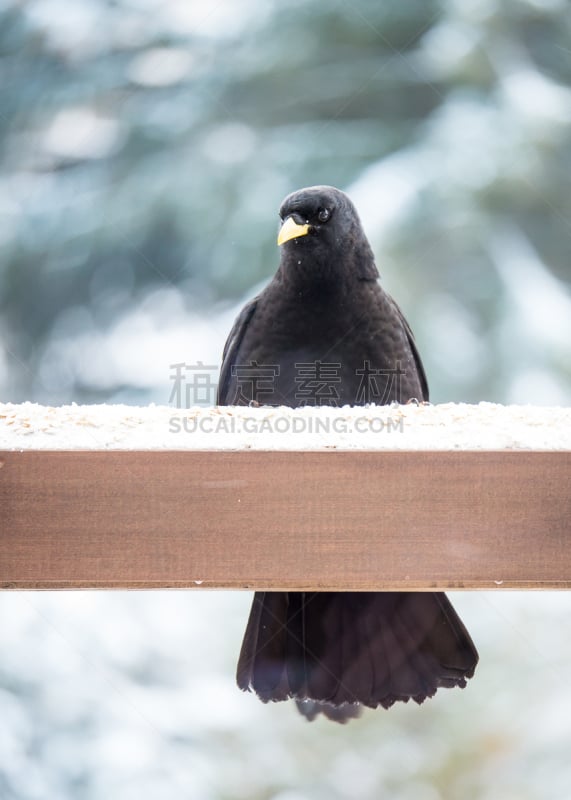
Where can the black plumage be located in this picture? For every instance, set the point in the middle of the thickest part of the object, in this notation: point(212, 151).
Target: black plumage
point(325, 332)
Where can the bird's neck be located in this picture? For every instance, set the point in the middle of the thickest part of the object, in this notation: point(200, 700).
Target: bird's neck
point(308, 274)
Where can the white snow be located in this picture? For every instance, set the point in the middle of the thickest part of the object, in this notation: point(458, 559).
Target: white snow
point(449, 426)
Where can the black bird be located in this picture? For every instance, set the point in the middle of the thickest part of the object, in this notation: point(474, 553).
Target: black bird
point(325, 332)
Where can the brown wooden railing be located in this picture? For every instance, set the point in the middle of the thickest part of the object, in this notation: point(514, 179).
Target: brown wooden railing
point(274, 520)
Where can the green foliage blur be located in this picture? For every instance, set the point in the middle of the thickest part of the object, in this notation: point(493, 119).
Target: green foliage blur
point(146, 147)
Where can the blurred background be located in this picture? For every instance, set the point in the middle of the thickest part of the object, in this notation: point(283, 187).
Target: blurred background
point(145, 149)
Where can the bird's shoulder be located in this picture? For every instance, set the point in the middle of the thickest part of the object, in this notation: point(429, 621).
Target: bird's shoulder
point(413, 348)
point(387, 324)
point(232, 346)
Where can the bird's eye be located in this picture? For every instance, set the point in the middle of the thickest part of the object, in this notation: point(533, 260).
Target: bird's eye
point(323, 214)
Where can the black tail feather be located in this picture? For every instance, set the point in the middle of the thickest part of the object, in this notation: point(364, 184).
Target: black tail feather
point(336, 651)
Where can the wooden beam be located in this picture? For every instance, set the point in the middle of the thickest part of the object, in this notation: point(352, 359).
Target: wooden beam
point(285, 520)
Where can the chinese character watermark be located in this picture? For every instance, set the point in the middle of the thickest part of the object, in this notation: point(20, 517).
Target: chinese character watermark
point(317, 383)
point(254, 382)
point(379, 386)
point(193, 384)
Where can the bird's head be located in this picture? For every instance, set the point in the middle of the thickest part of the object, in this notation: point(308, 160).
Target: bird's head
point(320, 227)
point(321, 213)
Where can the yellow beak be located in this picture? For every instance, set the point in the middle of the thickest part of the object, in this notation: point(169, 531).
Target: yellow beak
point(291, 230)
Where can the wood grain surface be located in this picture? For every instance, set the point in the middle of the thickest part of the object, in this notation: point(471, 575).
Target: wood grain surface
point(285, 520)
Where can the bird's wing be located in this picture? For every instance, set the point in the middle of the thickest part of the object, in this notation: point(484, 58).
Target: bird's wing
point(417, 360)
point(415, 354)
point(231, 349)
